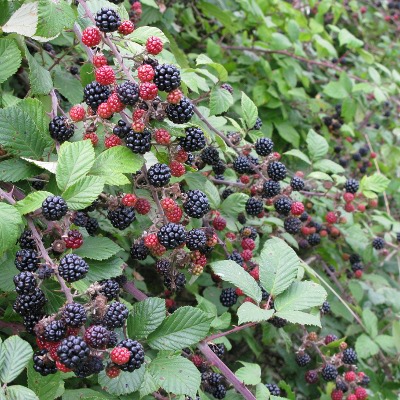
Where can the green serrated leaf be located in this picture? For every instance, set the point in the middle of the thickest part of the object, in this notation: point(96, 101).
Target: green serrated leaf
point(249, 374)
point(376, 183)
point(176, 374)
point(83, 192)
point(74, 162)
point(365, 346)
point(15, 356)
point(10, 221)
point(329, 166)
point(68, 86)
point(145, 317)
point(149, 384)
point(232, 272)
point(288, 132)
point(336, 90)
point(23, 21)
point(220, 101)
point(31, 202)
point(10, 58)
point(249, 312)
point(298, 154)
point(317, 145)
point(234, 204)
point(39, 77)
point(15, 169)
point(98, 248)
point(185, 327)
point(300, 317)
point(300, 296)
point(278, 266)
point(106, 269)
point(249, 110)
point(17, 392)
point(141, 34)
point(370, 321)
point(124, 383)
point(212, 194)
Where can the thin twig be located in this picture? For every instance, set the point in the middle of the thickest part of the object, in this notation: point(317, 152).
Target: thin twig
point(134, 291)
point(233, 330)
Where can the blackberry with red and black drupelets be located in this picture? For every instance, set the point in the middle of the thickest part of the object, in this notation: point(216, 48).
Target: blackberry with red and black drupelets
point(72, 351)
point(167, 77)
point(292, 225)
point(54, 208)
point(121, 217)
point(97, 336)
point(273, 389)
point(95, 94)
point(139, 251)
point(351, 186)
point(349, 356)
point(72, 268)
point(283, 205)
point(43, 364)
point(302, 359)
point(92, 365)
point(329, 372)
point(210, 155)
point(297, 183)
point(180, 113)
point(378, 243)
point(136, 358)
point(311, 377)
point(194, 139)
point(241, 165)
point(74, 239)
point(109, 288)
point(25, 282)
point(254, 206)
point(196, 239)
point(30, 303)
point(276, 171)
point(107, 20)
point(138, 142)
point(228, 297)
point(264, 146)
point(55, 331)
point(60, 129)
point(128, 93)
point(171, 235)
point(116, 315)
point(74, 315)
point(249, 231)
point(26, 240)
point(236, 256)
point(196, 204)
point(270, 189)
point(159, 175)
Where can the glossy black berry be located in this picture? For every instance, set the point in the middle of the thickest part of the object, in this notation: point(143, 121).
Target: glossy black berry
point(218, 349)
point(180, 113)
point(297, 183)
point(55, 331)
point(292, 225)
point(329, 372)
point(54, 208)
point(107, 20)
point(276, 171)
point(121, 129)
point(351, 186)
point(45, 272)
point(235, 256)
point(136, 358)
point(349, 356)
point(26, 240)
point(326, 307)
point(128, 93)
point(72, 268)
point(95, 94)
point(254, 206)
point(139, 251)
point(138, 142)
point(97, 336)
point(116, 315)
point(159, 175)
point(194, 139)
point(110, 288)
point(196, 204)
point(43, 364)
point(219, 167)
point(277, 322)
point(228, 297)
point(121, 217)
point(163, 266)
point(74, 315)
point(378, 243)
point(302, 359)
point(258, 124)
point(30, 322)
point(25, 282)
point(210, 155)
point(175, 283)
point(354, 258)
point(242, 165)
point(60, 129)
point(30, 303)
point(314, 239)
point(195, 239)
point(113, 339)
point(264, 146)
point(283, 205)
point(72, 351)
point(219, 392)
point(92, 365)
point(171, 235)
point(167, 77)
point(273, 389)
point(92, 226)
point(226, 193)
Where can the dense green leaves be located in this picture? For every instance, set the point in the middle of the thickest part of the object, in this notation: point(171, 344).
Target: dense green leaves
point(11, 58)
point(249, 312)
point(10, 221)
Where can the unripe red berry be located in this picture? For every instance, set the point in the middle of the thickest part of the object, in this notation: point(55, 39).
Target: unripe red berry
point(330, 217)
point(181, 155)
point(105, 75)
point(104, 111)
point(255, 273)
point(373, 203)
point(336, 394)
point(148, 90)
point(112, 371)
point(145, 73)
point(247, 255)
point(61, 367)
point(248, 244)
point(350, 376)
point(120, 355)
point(239, 292)
point(174, 215)
point(158, 250)
point(92, 137)
point(348, 197)
point(129, 200)
point(276, 155)
point(151, 240)
point(126, 27)
point(115, 103)
point(197, 360)
point(138, 126)
point(297, 208)
point(168, 204)
point(112, 141)
point(77, 113)
point(142, 206)
point(175, 96)
point(99, 60)
point(358, 274)
point(349, 207)
point(91, 36)
point(361, 207)
point(138, 114)
point(244, 179)
point(177, 169)
point(154, 45)
point(373, 155)
point(162, 136)
point(219, 223)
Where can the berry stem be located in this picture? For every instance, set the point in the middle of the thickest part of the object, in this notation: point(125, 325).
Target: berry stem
point(54, 103)
point(134, 291)
point(233, 330)
point(15, 328)
point(229, 375)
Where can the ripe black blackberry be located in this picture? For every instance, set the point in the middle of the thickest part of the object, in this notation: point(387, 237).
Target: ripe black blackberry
point(92, 226)
point(354, 258)
point(214, 379)
point(228, 297)
point(340, 385)
point(31, 303)
point(121, 129)
point(254, 206)
point(72, 268)
point(113, 339)
point(365, 380)
point(292, 225)
point(249, 231)
point(190, 159)
point(39, 183)
point(95, 94)
point(326, 307)
point(304, 217)
point(171, 235)
point(60, 129)
point(219, 167)
point(74, 315)
point(45, 272)
point(270, 189)
point(121, 280)
point(107, 20)
point(351, 186)
point(54, 208)
point(218, 349)
point(302, 359)
point(138, 142)
point(241, 165)
point(378, 243)
point(258, 124)
point(73, 351)
point(26, 240)
point(180, 113)
point(276, 171)
point(55, 331)
point(175, 283)
point(194, 139)
point(349, 356)
point(236, 256)
point(25, 282)
point(30, 322)
point(159, 175)
point(226, 193)
point(196, 239)
point(357, 267)
point(254, 161)
point(139, 251)
point(109, 288)
point(97, 336)
point(163, 266)
point(196, 204)
point(277, 322)
point(128, 93)
point(136, 358)
point(43, 364)
point(314, 239)
point(329, 372)
point(210, 155)
point(264, 146)
point(116, 315)
point(80, 218)
point(297, 183)
point(273, 389)
point(283, 205)
point(121, 217)
point(219, 392)
point(92, 365)
point(167, 77)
